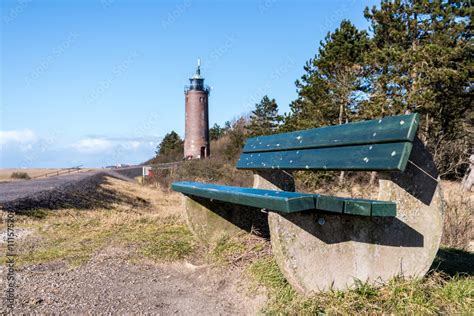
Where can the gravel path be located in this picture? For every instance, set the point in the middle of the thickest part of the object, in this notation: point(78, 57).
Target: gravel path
point(110, 284)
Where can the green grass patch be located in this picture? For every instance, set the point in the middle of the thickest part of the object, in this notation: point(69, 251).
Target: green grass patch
point(226, 249)
point(75, 235)
point(62, 236)
point(433, 294)
point(169, 243)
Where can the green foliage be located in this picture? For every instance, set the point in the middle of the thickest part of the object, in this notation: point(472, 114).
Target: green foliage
point(171, 148)
point(418, 59)
point(421, 61)
point(331, 88)
point(265, 118)
point(227, 126)
point(216, 132)
point(237, 135)
point(20, 175)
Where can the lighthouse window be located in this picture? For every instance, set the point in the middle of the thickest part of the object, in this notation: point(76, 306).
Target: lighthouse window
point(201, 99)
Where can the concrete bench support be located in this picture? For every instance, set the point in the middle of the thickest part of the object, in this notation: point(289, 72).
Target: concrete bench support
point(318, 252)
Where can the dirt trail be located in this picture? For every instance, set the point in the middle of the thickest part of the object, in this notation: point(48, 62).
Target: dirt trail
point(110, 284)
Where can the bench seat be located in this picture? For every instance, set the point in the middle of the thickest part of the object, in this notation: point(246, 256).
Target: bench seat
point(286, 202)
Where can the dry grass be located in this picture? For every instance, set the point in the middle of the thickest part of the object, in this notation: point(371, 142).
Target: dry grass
point(74, 235)
point(238, 250)
point(5, 174)
point(458, 229)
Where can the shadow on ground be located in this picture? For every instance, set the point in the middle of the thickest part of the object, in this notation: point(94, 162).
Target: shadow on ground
point(88, 193)
point(454, 261)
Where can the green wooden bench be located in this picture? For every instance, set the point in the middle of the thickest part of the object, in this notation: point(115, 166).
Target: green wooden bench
point(383, 144)
point(333, 226)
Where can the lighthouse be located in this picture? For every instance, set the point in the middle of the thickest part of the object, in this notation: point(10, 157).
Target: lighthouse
point(196, 138)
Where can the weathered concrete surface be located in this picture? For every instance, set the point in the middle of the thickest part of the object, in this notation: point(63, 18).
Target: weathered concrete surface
point(209, 220)
point(318, 252)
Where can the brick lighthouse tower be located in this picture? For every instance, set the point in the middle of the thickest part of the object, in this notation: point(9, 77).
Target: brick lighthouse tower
point(196, 138)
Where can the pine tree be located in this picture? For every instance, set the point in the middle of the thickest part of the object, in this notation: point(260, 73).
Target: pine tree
point(171, 148)
point(215, 132)
point(236, 133)
point(265, 119)
point(332, 86)
point(421, 61)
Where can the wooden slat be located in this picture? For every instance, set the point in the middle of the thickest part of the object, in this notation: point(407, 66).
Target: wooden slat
point(282, 201)
point(376, 157)
point(286, 202)
point(352, 206)
point(401, 128)
point(382, 208)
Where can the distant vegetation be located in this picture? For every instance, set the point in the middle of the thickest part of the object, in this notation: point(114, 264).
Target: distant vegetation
point(416, 57)
point(170, 149)
point(20, 175)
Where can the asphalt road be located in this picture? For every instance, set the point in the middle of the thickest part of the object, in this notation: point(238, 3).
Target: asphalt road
point(10, 191)
point(17, 190)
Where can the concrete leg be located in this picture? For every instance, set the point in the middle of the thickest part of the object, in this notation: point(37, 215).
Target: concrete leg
point(209, 220)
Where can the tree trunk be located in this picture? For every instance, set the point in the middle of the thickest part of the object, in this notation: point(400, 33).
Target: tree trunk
point(373, 175)
point(341, 178)
point(468, 180)
point(341, 113)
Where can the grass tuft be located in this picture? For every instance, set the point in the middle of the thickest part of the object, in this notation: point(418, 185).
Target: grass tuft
point(169, 243)
point(237, 250)
point(226, 249)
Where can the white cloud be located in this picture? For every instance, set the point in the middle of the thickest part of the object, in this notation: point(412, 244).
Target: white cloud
point(88, 150)
point(24, 136)
point(97, 143)
point(133, 144)
point(92, 145)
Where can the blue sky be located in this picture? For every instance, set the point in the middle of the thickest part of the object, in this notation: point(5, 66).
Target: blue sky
point(99, 82)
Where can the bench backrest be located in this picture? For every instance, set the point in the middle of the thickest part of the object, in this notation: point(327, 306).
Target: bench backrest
point(376, 145)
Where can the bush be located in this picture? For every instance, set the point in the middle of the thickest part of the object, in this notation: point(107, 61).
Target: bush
point(211, 170)
point(20, 175)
